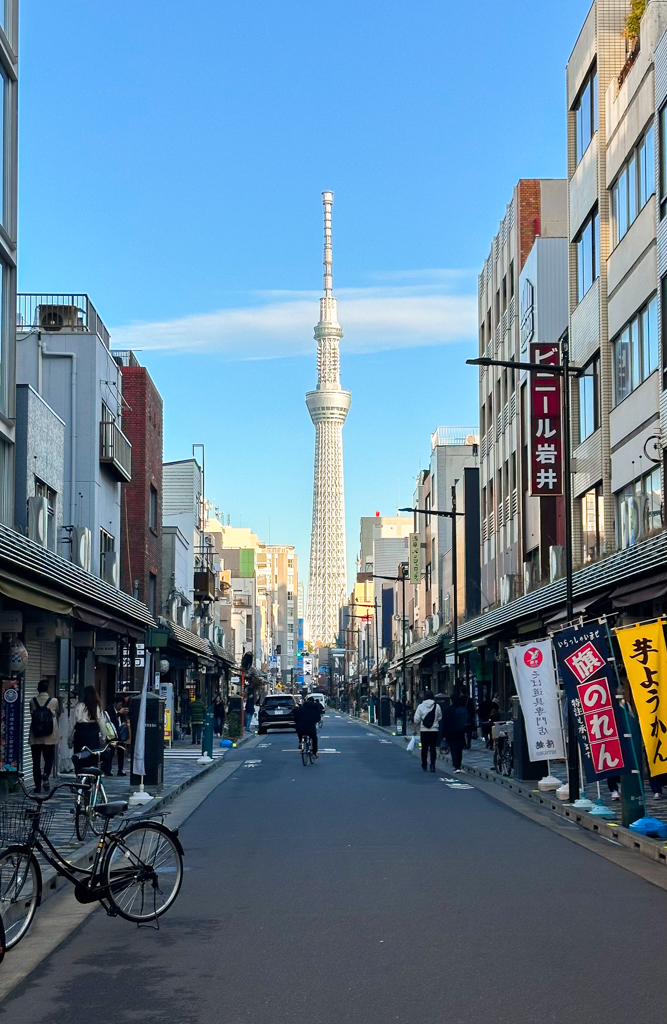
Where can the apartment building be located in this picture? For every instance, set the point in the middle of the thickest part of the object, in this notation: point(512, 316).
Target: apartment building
point(8, 220)
point(141, 498)
point(375, 528)
point(282, 568)
point(63, 353)
point(538, 208)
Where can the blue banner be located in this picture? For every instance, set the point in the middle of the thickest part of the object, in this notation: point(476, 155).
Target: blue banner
point(586, 669)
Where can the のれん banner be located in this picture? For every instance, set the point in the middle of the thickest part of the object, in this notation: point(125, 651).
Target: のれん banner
point(535, 680)
point(645, 659)
point(584, 660)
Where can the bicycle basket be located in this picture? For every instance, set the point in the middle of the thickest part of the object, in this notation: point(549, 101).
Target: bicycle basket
point(19, 818)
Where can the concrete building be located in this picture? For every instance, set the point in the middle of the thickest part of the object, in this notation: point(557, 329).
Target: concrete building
point(543, 317)
point(39, 469)
point(282, 566)
point(183, 508)
point(141, 498)
point(63, 354)
point(377, 527)
point(8, 218)
point(537, 208)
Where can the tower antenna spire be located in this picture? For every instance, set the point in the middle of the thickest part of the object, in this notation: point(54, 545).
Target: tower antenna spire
point(327, 199)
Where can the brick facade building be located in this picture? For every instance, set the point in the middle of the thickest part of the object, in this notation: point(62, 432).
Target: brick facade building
point(141, 501)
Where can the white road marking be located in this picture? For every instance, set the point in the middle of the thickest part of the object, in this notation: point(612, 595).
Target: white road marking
point(263, 746)
point(251, 764)
point(328, 750)
point(385, 741)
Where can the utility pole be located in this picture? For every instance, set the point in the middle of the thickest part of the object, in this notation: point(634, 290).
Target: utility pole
point(400, 579)
point(565, 370)
point(377, 658)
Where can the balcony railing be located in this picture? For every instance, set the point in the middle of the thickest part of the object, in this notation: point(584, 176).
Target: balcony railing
point(116, 451)
point(52, 312)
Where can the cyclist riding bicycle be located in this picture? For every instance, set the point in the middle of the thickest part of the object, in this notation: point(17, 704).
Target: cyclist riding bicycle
point(306, 717)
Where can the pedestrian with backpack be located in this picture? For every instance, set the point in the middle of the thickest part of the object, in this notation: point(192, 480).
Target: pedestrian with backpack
point(43, 738)
point(455, 725)
point(428, 716)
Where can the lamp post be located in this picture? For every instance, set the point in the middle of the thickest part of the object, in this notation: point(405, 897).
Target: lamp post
point(455, 610)
point(565, 370)
point(400, 579)
point(377, 657)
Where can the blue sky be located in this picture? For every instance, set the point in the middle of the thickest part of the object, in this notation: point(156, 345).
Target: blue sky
point(172, 158)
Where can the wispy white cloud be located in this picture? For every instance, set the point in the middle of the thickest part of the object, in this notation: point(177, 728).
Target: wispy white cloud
point(427, 308)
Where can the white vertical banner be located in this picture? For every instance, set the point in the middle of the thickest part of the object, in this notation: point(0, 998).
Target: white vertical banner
point(138, 765)
point(535, 680)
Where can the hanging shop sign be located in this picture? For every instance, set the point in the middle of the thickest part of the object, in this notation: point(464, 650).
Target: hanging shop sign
point(546, 439)
point(585, 664)
point(11, 622)
point(535, 680)
point(10, 725)
point(645, 659)
point(415, 559)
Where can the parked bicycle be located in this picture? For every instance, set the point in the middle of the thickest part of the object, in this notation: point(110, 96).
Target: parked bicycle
point(136, 874)
point(307, 755)
point(90, 792)
point(502, 734)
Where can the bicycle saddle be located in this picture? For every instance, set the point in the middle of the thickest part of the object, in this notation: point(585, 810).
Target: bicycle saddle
point(96, 772)
point(113, 808)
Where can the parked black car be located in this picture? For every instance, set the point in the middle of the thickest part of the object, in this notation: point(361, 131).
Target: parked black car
point(276, 712)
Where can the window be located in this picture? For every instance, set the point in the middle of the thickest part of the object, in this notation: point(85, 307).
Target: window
point(290, 644)
point(636, 351)
point(634, 186)
point(43, 490)
point(592, 524)
point(586, 114)
point(589, 401)
point(639, 508)
point(663, 326)
point(290, 627)
point(107, 542)
point(152, 512)
point(428, 576)
point(663, 159)
point(427, 506)
point(290, 595)
point(588, 254)
point(290, 563)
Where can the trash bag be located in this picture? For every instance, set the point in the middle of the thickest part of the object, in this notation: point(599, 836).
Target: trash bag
point(254, 721)
point(411, 744)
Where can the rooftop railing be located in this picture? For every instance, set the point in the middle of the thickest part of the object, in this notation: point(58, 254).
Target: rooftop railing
point(58, 311)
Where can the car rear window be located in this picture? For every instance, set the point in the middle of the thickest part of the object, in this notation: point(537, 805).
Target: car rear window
point(279, 702)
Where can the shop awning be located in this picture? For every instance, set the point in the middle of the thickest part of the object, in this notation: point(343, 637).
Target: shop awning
point(190, 642)
point(647, 589)
point(578, 608)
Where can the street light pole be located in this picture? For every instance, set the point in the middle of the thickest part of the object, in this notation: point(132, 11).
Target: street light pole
point(565, 370)
point(400, 579)
point(377, 657)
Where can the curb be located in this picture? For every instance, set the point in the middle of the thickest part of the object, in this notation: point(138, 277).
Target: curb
point(653, 849)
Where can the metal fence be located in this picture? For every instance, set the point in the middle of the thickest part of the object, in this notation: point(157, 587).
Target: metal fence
point(58, 311)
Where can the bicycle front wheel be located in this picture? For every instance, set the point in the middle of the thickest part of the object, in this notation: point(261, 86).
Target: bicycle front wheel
point(304, 753)
point(143, 871)
point(20, 890)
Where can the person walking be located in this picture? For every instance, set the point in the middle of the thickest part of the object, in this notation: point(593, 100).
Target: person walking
point(427, 717)
point(218, 715)
point(197, 716)
point(88, 729)
point(43, 737)
point(249, 709)
point(399, 711)
point(455, 725)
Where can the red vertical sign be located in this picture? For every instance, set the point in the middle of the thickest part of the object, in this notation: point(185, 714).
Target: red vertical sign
point(546, 437)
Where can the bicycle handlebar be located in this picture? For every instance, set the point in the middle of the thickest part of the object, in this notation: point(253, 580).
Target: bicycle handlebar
point(37, 797)
point(96, 753)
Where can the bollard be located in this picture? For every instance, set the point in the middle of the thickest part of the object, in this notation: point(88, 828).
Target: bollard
point(207, 738)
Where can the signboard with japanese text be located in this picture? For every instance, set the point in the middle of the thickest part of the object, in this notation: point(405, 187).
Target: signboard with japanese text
point(645, 659)
point(546, 439)
point(10, 725)
point(415, 559)
point(535, 680)
point(585, 664)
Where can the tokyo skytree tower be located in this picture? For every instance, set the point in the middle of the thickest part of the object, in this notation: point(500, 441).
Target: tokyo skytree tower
point(328, 407)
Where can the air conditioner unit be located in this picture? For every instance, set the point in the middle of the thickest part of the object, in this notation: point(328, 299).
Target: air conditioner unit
point(56, 317)
point(81, 547)
point(110, 568)
point(38, 520)
point(556, 562)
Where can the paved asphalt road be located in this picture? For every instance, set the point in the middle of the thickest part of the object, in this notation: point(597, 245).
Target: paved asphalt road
point(362, 890)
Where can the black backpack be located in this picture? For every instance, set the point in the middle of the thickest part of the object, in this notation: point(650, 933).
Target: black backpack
point(41, 719)
point(429, 717)
point(462, 719)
